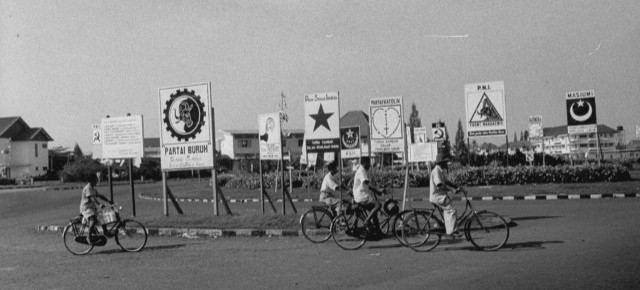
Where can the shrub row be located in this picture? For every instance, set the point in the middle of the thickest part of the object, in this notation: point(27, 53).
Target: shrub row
point(470, 176)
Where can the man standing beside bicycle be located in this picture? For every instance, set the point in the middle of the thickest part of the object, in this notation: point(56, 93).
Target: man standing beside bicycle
point(439, 189)
point(362, 195)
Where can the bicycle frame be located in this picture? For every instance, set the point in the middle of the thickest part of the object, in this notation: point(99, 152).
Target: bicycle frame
point(462, 218)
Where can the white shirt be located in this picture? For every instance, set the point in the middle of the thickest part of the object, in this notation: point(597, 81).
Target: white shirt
point(329, 184)
point(437, 177)
point(361, 192)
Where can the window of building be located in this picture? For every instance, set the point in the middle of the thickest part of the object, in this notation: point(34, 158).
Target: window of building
point(245, 143)
point(300, 142)
point(36, 168)
point(36, 146)
point(44, 145)
point(44, 168)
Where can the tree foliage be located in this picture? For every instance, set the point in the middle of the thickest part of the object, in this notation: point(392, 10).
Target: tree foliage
point(460, 148)
point(414, 119)
point(77, 152)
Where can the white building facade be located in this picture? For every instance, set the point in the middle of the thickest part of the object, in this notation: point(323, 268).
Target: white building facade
point(24, 151)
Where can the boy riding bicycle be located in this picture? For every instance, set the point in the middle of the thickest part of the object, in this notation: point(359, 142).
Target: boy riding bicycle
point(89, 202)
point(329, 186)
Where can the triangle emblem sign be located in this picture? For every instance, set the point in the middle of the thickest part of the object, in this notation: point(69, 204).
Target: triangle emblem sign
point(485, 111)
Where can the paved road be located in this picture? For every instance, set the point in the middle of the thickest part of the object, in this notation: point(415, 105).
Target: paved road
point(556, 245)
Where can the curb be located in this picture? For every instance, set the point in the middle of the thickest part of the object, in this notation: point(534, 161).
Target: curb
point(455, 198)
point(202, 233)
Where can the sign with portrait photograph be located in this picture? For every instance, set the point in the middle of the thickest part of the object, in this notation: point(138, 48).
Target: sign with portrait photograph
point(269, 135)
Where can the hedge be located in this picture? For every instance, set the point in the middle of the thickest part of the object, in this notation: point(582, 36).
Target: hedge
point(470, 176)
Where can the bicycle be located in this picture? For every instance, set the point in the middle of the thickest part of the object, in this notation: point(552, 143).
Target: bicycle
point(129, 234)
point(487, 231)
point(316, 223)
point(349, 231)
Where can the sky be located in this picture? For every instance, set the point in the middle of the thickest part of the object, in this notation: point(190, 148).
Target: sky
point(66, 64)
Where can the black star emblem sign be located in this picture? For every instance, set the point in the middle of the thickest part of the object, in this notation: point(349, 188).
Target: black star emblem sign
point(322, 119)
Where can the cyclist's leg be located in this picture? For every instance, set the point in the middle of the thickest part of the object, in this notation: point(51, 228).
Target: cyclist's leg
point(448, 212)
point(372, 217)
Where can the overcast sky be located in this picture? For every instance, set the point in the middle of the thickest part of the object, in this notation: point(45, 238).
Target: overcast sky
point(66, 64)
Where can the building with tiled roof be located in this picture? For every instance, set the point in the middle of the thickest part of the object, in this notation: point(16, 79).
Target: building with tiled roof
point(24, 150)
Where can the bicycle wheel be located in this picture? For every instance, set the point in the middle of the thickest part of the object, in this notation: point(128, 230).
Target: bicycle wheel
point(76, 238)
point(421, 231)
point(487, 231)
point(316, 225)
point(396, 225)
point(348, 231)
point(131, 235)
point(385, 223)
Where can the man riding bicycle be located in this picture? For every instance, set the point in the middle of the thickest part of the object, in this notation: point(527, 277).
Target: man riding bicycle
point(438, 194)
point(362, 195)
point(89, 202)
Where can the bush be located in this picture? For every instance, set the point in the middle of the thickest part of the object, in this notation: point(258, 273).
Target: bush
point(80, 169)
point(6, 181)
point(531, 174)
point(472, 176)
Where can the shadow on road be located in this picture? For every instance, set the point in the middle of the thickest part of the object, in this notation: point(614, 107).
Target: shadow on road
point(146, 249)
point(535, 245)
point(527, 218)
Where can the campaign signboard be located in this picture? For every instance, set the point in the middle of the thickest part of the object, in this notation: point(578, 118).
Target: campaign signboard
point(486, 109)
point(122, 137)
point(350, 142)
point(417, 135)
point(97, 134)
point(581, 112)
point(386, 125)
point(322, 122)
point(419, 150)
point(269, 133)
point(185, 130)
point(438, 131)
point(535, 128)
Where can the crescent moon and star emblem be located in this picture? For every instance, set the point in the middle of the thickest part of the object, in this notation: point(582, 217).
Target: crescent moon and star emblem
point(580, 116)
point(350, 139)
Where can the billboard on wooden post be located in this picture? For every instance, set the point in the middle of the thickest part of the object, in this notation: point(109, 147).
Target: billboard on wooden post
point(270, 136)
point(322, 122)
point(386, 124)
point(122, 137)
point(185, 128)
point(486, 109)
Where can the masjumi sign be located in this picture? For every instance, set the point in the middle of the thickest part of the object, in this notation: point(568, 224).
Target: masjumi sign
point(387, 124)
point(486, 109)
point(581, 112)
point(185, 130)
point(322, 122)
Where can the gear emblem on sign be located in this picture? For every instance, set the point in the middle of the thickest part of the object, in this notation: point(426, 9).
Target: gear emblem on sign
point(184, 115)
